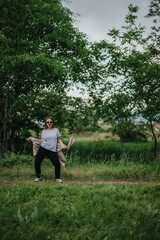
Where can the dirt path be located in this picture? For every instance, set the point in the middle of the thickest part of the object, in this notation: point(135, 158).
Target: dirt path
point(87, 182)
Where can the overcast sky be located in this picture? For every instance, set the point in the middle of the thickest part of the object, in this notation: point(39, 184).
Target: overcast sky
point(98, 16)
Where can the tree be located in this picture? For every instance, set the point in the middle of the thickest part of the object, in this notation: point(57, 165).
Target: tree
point(78, 117)
point(130, 61)
point(95, 104)
point(39, 49)
point(154, 36)
point(118, 110)
point(143, 82)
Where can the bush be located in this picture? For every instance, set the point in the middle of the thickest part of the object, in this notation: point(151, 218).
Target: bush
point(94, 129)
point(130, 132)
point(11, 159)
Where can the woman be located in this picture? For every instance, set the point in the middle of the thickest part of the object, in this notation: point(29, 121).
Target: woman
point(50, 136)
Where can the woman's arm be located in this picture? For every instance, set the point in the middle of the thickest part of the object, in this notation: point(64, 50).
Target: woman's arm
point(30, 139)
point(60, 141)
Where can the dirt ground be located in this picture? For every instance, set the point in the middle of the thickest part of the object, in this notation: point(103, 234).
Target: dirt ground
point(88, 182)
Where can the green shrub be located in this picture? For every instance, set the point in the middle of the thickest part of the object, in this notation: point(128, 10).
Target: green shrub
point(130, 132)
point(11, 159)
point(94, 129)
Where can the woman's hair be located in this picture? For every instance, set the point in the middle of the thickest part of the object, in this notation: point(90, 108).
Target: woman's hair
point(46, 127)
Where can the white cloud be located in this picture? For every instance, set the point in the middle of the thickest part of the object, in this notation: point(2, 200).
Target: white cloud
point(97, 17)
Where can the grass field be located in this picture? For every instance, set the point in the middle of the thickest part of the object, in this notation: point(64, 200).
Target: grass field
point(103, 200)
point(117, 210)
point(79, 212)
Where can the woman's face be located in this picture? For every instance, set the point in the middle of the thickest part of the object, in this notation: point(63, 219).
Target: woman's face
point(49, 123)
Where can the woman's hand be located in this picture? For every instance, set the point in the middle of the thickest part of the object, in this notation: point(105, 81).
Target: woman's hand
point(29, 139)
point(60, 141)
point(66, 147)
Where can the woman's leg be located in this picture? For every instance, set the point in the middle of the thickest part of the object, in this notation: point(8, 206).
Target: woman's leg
point(55, 161)
point(38, 160)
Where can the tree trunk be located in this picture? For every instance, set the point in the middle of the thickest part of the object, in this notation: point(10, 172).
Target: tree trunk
point(121, 139)
point(12, 140)
point(0, 148)
point(155, 139)
point(5, 145)
point(4, 142)
point(95, 122)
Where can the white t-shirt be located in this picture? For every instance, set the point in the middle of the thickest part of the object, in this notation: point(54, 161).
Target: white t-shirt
point(50, 139)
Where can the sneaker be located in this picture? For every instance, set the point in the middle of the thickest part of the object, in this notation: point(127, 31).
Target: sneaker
point(37, 179)
point(59, 180)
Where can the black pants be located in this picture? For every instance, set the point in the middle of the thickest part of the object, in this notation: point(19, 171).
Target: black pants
point(42, 152)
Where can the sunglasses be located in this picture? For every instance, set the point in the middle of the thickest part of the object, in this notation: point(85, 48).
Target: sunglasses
point(49, 122)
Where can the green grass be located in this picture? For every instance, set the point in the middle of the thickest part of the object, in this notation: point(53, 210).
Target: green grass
point(21, 167)
point(113, 170)
point(79, 212)
point(105, 150)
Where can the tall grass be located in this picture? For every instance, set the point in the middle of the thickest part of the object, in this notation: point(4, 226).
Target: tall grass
point(96, 151)
point(94, 160)
point(103, 151)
